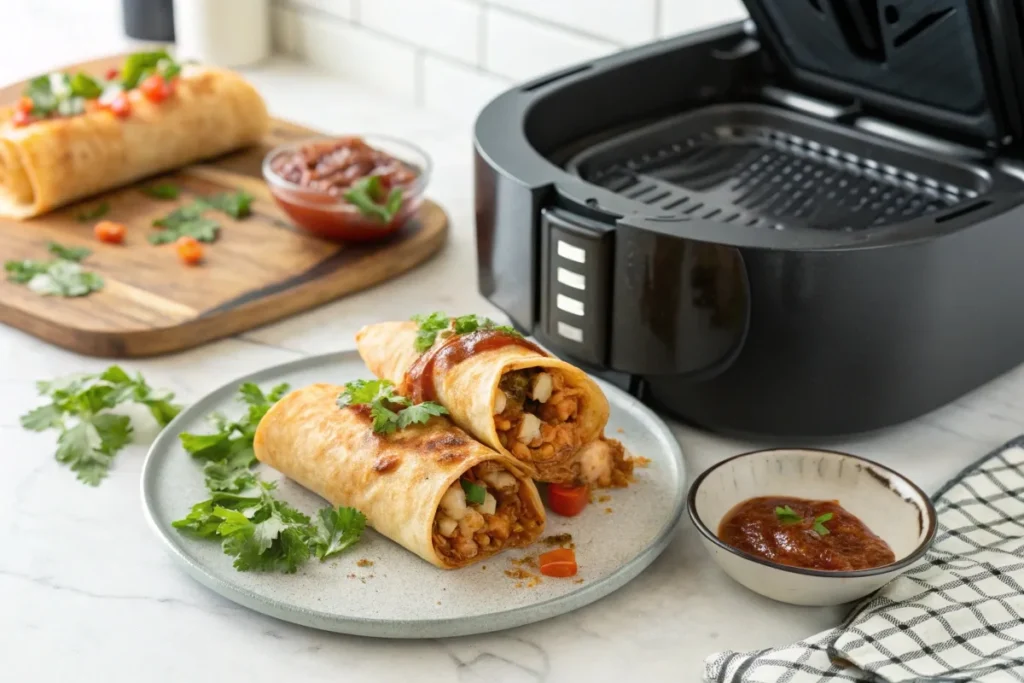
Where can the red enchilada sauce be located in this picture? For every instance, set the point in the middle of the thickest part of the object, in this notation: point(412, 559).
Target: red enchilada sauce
point(419, 380)
point(812, 534)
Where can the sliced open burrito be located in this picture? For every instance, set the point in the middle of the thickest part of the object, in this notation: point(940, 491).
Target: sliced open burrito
point(427, 486)
point(504, 390)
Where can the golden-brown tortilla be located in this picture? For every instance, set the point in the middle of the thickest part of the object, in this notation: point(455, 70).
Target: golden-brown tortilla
point(54, 162)
point(397, 480)
point(467, 389)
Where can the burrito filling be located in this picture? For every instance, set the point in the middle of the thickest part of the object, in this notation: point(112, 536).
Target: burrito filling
point(603, 464)
point(535, 414)
point(482, 513)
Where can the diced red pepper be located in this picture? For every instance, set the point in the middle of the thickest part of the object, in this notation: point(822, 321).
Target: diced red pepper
point(120, 106)
point(112, 74)
point(156, 88)
point(21, 118)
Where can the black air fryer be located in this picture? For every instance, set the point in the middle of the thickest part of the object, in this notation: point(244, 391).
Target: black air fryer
point(809, 224)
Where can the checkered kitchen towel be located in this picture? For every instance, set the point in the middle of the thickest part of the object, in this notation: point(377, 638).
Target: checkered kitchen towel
point(958, 615)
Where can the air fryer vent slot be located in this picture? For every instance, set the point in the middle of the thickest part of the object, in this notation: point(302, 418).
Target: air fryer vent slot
point(759, 167)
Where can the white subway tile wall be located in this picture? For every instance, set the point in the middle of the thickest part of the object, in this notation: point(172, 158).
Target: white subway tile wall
point(455, 55)
point(452, 55)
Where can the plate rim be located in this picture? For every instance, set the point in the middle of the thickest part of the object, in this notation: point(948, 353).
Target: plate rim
point(444, 627)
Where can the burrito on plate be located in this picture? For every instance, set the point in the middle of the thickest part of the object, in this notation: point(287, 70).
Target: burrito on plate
point(74, 135)
point(429, 487)
point(504, 390)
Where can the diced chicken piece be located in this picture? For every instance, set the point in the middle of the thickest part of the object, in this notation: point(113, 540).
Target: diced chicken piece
point(596, 462)
point(529, 429)
point(489, 506)
point(500, 401)
point(471, 523)
point(446, 525)
point(541, 387)
point(454, 502)
point(465, 546)
point(501, 481)
point(499, 527)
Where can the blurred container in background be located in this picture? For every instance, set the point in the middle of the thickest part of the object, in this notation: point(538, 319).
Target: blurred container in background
point(229, 33)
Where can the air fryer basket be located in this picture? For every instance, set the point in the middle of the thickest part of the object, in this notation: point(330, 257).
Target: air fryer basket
point(763, 166)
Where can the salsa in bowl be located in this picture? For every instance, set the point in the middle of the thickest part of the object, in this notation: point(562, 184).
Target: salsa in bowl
point(348, 188)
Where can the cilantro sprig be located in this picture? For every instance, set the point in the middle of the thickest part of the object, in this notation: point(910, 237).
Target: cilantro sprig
point(189, 220)
point(90, 435)
point(262, 532)
point(786, 516)
point(438, 323)
point(162, 191)
point(61, 276)
point(98, 211)
point(370, 197)
point(390, 411)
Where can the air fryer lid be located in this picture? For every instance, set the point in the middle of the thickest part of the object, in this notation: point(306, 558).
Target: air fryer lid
point(928, 60)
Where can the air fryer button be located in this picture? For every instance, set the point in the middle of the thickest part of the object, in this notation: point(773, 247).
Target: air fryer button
point(572, 279)
point(569, 305)
point(576, 257)
point(568, 251)
point(570, 332)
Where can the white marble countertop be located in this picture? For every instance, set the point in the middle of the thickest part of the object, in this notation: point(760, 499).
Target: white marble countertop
point(88, 593)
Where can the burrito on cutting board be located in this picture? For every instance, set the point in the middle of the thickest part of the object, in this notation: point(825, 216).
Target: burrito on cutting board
point(429, 487)
point(74, 135)
point(504, 390)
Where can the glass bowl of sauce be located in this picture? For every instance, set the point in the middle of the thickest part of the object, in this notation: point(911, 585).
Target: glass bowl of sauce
point(349, 188)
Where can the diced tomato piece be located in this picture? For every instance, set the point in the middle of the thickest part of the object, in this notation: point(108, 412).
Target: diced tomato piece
point(567, 501)
point(21, 118)
point(120, 106)
point(110, 232)
point(156, 88)
point(26, 105)
point(111, 74)
point(189, 250)
point(559, 563)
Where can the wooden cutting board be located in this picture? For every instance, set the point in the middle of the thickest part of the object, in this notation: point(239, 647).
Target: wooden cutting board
point(259, 270)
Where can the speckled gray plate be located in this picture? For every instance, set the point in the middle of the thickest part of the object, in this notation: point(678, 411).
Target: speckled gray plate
point(400, 595)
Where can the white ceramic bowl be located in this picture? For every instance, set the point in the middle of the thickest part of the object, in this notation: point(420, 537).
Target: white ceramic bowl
point(889, 504)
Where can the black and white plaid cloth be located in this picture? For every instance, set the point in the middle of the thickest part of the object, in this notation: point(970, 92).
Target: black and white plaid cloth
point(958, 615)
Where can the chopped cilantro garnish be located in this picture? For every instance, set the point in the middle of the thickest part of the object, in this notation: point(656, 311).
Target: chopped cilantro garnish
point(389, 410)
point(475, 493)
point(433, 324)
point(368, 195)
point(819, 523)
point(787, 515)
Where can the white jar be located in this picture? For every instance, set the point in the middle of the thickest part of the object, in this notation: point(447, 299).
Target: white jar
point(228, 33)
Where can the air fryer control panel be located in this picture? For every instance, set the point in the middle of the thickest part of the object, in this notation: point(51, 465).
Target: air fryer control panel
point(576, 258)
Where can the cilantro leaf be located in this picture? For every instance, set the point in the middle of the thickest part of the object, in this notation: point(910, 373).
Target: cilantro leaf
point(40, 91)
point(786, 515)
point(368, 195)
point(162, 191)
point(98, 211)
point(232, 475)
point(66, 279)
point(68, 253)
point(420, 413)
point(338, 529)
point(42, 418)
point(429, 326)
point(819, 524)
point(81, 448)
point(235, 204)
point(23, 271)
point(385, 420)
point(85, 86)
point(89, 444)
point(365, 391)
point(203, 229)
point(140, 64)
point(251, 393)
point(62, 276)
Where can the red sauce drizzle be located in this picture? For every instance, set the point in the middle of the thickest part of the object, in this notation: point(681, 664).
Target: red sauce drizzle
point(754, 527)
point(419, 380)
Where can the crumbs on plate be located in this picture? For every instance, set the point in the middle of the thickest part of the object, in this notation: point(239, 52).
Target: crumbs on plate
point(564, 540)
point(525, 561)
point(524, 579)
point(603, 499)
point(364, 563)
point(620, 430)
point(577, 580)
point(641, 461)
point(608, 511)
